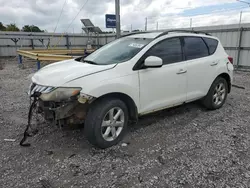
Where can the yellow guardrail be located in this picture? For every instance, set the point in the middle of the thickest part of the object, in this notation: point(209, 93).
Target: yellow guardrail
point(60, 51)
point(50, 55)
point(43, 56)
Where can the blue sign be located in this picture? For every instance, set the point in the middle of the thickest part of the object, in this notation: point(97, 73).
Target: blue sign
point(110, 20)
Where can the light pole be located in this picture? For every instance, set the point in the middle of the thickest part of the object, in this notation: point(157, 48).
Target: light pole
point(240, 32)
point(245, 2)
point(240, 18)
point(191, 22)
point(248, 3)
point(118, 22)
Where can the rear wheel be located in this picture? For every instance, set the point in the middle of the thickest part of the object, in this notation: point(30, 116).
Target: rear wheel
point(106, 122)
point(217, 94)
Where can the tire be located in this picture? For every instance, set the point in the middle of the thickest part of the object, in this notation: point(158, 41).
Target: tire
point(98, 120)
point(212, 102)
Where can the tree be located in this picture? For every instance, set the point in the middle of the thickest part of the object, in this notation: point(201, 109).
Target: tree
point(12, 27)
point(31, 28)
point(2, 27)
point(26, 28)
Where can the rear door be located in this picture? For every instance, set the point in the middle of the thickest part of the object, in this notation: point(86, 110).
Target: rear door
point(200, 67)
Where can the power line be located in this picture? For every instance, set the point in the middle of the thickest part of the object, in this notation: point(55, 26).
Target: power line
point(60, 15)
point(72, 22)
point(244, 2)
point(77, 14)
point(219, 11)
point(184, 22)
point(202, 15)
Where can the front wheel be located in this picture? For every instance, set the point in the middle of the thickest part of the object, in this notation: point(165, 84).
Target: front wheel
point(217, 94)
point(106, 122)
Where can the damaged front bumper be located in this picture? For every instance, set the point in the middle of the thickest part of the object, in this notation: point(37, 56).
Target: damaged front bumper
point(63, 113)
point(61, 106)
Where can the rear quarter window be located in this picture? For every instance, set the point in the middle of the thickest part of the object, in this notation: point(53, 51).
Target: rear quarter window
point(212, 44)
point(195, 48)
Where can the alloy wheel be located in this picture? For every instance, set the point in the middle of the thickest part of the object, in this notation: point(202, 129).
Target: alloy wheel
point(219, 94)
point(112, 124)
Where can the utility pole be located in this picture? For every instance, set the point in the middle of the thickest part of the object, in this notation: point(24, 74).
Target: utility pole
point(239, 42)
point(156, 25)
point(118, 22)
point(146, 24)
point(248, 3)
point(191, 22)
point(131, 28)
point(240, 18)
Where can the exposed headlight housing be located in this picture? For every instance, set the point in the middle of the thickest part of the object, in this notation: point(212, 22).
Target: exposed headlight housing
point(83, 98)
point(60, 94)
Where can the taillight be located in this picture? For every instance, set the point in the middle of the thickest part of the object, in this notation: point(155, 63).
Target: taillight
point(231, 60)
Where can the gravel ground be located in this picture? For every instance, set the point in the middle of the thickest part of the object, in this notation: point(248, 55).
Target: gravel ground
point(186, 146)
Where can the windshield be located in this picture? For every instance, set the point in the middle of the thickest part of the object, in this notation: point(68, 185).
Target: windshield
point(118, 51)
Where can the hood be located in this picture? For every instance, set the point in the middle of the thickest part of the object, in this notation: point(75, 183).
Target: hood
point(59, 73)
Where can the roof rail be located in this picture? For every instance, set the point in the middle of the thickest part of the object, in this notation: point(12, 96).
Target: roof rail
point(184, 31)
point(138, 32)
point(166, 32)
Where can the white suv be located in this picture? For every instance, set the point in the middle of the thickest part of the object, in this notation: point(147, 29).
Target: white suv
point(132, 76)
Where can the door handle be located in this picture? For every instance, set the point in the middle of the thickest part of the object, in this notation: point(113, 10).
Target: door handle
point(181, 71)
point(214, 63)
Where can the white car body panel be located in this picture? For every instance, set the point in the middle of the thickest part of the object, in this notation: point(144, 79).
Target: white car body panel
point(162, 87)
point(151, 89)
point(202, 72)
point(59, 73)
point(116, 80)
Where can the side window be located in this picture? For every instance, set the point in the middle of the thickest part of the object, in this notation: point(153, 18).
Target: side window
point(169, 50)
point(212, 44)
point(195, 48)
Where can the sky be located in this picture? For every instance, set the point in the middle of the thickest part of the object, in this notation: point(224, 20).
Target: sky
point(167, 13)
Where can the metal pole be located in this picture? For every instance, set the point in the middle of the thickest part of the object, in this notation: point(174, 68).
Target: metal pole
point(146, 23)
point(131, 28)
point(20, 60)
point(32, 44)
point(239, 47)
point(67, 41)
point(191, 22)
point(240, 19)
point(98, 41)
point(156, 25)
point(38, 64)
point(74, 37)
point(118, 22)
point(239, 41)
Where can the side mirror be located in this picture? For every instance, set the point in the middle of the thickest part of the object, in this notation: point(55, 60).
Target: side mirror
point(153, 62)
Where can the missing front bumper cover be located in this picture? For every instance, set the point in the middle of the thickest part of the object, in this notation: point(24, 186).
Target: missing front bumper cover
point(60, 113)
point(72, 112)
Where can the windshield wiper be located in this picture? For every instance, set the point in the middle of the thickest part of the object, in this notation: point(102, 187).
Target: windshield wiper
point(90, 62)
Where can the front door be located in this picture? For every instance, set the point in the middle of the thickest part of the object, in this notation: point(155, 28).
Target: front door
point(165, 86)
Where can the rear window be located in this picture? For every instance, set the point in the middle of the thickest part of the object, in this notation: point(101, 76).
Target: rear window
point(195, 48)
point(212, 44)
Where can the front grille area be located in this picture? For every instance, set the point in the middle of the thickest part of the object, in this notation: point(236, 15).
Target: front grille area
point(38, 88)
